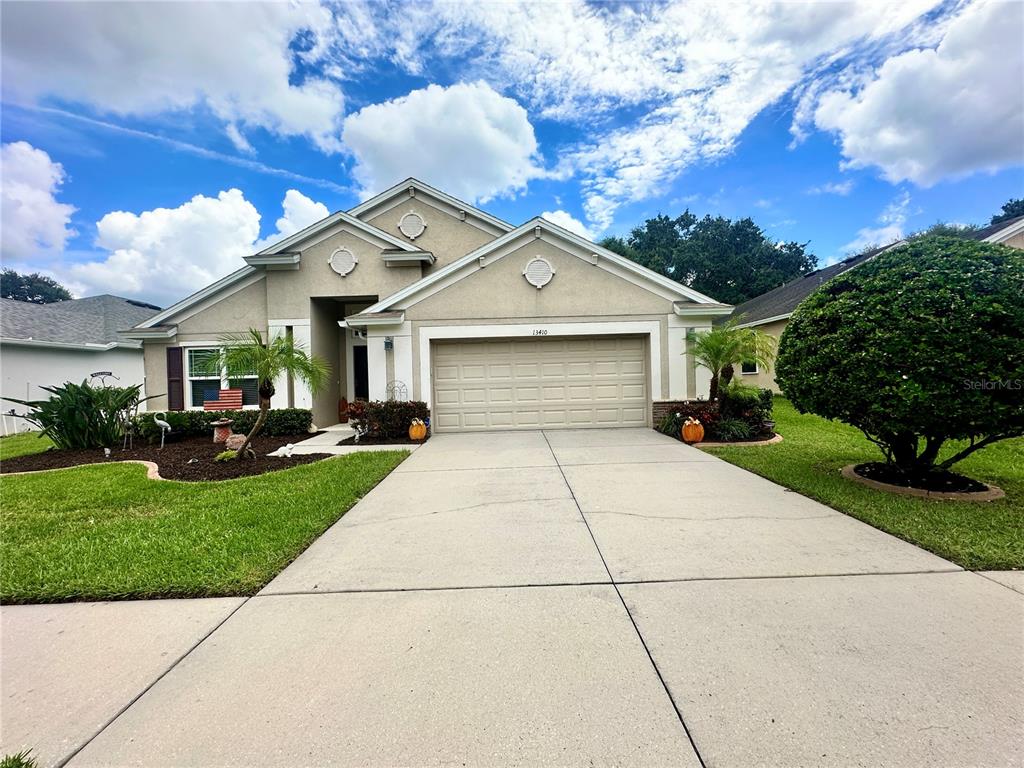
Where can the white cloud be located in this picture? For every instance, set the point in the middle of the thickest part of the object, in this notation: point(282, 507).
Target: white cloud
point(841, 188)
point(466, 139)
point(299, 212)
point(930, 114)
point(568, 221)
point(891, 223)
point(150, 58)
point(165, 254)
point(33, 222)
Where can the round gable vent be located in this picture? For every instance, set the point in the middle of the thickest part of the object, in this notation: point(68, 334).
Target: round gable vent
point(343, 261)
point(412, 225)
point(538, 272)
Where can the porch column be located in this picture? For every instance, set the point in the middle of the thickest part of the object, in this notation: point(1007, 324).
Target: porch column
point(302, 397)
point(678, 363)
point(376, 364)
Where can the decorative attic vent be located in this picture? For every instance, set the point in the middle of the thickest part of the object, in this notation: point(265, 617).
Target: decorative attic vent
point(343, 261)
point(538, 272)
point(412, 225)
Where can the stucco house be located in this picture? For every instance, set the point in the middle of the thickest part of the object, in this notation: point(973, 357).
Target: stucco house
point(414, 294)
point(770, 311)
point(44, 345)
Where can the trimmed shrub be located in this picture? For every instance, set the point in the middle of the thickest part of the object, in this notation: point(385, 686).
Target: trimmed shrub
point(387, 418)
point(750, 405)
point(280, 421)
point(920, 345)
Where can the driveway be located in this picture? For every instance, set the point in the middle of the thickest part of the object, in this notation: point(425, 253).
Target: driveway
point(591, 597)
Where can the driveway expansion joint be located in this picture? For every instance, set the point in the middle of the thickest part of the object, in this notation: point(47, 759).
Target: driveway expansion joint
point(640, 637)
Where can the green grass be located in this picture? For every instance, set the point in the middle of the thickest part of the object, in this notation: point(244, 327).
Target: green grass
point(107, 532)
point(975, 535)
point(23, 444)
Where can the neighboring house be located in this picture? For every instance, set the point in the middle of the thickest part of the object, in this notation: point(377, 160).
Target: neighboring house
point(416, 295)
point(47, 344)
point(770, 311)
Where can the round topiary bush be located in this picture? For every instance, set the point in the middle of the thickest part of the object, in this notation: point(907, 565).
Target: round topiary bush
point(922, 344)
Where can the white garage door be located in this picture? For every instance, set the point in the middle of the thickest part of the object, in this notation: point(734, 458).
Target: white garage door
point(532, 383)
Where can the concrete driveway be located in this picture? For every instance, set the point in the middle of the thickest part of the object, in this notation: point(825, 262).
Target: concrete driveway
point(591, 597)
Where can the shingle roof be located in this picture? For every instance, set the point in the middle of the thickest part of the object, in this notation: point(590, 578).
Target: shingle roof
point(784, 299)
point(93, 320)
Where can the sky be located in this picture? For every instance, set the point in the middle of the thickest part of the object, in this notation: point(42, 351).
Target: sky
point(149, 147)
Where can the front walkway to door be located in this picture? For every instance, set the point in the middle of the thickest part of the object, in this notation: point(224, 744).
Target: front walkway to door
point(593, 597)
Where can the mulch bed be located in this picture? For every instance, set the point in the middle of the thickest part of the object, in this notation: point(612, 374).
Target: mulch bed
point(174, 460)
point(371, 440)
point(936, 482)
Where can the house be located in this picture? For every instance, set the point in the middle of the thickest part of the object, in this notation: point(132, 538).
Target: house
point(47, 344)
point(414, 294)
point(770, 311)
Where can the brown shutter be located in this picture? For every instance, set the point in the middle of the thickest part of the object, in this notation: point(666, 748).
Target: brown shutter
point(175, 380)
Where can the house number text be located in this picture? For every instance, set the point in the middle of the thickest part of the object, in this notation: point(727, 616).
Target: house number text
point(540, 331)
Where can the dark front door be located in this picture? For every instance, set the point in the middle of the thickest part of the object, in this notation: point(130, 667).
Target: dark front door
point(359, 374)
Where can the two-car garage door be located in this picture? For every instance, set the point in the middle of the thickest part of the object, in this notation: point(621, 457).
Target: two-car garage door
point(539, 382)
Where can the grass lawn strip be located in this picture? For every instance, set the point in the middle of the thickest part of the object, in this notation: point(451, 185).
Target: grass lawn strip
point(975, 535)
point(107, 532)
point(23, 444)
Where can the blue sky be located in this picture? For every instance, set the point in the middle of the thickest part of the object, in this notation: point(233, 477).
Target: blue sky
point(147, 148)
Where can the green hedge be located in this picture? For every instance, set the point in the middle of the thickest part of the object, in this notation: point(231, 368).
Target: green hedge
point(280, 421)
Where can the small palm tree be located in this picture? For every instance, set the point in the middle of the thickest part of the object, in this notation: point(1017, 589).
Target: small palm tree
point(246, 354)
point(725, 345)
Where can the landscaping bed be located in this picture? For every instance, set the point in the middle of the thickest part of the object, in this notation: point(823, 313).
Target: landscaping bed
point(383, 440)
point(106, 532)
point(189, 459)
point(979, 536)
point(941, 482)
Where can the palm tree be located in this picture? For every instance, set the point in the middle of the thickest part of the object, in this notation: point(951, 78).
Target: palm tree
point(725, 345)
point(246, 354)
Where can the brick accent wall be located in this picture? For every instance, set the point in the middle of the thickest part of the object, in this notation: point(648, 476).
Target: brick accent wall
point(686, 407)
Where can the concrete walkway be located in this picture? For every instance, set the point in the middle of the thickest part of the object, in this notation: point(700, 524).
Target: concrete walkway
point(561, 598)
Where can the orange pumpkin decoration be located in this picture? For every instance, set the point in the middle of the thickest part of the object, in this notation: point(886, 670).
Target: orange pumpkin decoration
point(693, 431)
point(417, 430)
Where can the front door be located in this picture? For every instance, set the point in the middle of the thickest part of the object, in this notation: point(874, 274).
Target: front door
point(360, 378)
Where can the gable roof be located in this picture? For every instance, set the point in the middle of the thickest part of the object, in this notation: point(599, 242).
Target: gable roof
point(92, 321)
point(339, 217)
point(415, 185)
point(538, 224)
point(779, 303)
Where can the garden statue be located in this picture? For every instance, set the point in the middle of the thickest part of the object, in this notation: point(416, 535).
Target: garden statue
point(165, 427)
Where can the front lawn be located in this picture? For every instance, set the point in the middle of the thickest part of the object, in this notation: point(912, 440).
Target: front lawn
point(23, 444)
point(107, 532)
point(975, 535)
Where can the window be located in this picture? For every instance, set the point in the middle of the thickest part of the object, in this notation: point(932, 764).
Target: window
point(203, 376)
point(205, 380)
point(748, 366)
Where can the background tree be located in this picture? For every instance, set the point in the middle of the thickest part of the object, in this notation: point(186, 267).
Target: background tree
point(34, 288)
point(246, 354)
point(945, 229)
point(731, 261)
point(724, 346)
point(1011, 209)
point(920, 345)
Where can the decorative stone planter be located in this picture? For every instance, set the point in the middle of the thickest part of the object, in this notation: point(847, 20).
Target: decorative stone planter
point(221, 430)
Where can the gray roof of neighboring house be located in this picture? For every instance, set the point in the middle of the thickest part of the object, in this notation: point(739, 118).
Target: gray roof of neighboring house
point(93, 320)
point(784, 299)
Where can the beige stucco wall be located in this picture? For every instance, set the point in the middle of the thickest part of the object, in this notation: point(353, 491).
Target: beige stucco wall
point(155, 356)
point(242, 310)
point(1017, 241)
point(578, 289)
point(289, 291)
point(325, 343)
point(446, 236)
point(764, 378)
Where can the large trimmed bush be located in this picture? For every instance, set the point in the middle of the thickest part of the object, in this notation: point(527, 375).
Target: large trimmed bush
point(920, 345)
